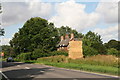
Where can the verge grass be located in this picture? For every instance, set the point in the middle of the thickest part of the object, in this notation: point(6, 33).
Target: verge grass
point(101, 63)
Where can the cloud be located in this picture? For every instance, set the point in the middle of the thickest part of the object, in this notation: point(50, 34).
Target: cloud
point(14, 12)
point(73, 15)
point(5, 41)
point(108, 33)
point(108, 11)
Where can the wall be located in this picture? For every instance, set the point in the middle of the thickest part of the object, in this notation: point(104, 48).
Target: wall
point(75, 49)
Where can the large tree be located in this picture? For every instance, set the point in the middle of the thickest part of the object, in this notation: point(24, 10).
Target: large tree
point(36, 33)
point(94, 40)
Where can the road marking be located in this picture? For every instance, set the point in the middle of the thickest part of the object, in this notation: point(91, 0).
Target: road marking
point(75, 79)
point(18, 65)
point(27, 67)
point(42, 71)
point(51, 69)
point(32, 76)
point(4, 75)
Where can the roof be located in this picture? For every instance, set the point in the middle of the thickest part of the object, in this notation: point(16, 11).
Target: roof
point(65, 42)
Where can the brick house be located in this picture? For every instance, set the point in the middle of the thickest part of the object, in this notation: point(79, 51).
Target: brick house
point(72, 45)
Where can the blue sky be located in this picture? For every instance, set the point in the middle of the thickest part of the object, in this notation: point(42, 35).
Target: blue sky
point(86, 16)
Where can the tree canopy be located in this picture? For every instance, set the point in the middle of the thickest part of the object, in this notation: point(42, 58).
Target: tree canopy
point(113, 44)
point(36, 33)
point(62, 31)
point(94, 40)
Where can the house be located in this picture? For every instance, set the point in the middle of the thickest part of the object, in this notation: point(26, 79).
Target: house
point(72, 45)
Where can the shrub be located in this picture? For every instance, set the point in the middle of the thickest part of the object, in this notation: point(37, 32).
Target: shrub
point(38, 53)
point(24, 56)
point(112, 51)
point(59, 58)
point(54, 53)
point(89, 51)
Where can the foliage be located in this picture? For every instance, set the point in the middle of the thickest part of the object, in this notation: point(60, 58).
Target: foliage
point(67, 30)
point(112, 44)
point(2, 32)
point(112, 51)
point(93, 40)
point(36, 33)
point(24, 56)
point(89, 51)
point(54, 53)
point(8, 51)
point(58, 58)
point(37, 53)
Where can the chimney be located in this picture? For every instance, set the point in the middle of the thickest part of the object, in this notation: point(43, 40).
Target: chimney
point(62, 38)
point(72, 35)
point(66, 36)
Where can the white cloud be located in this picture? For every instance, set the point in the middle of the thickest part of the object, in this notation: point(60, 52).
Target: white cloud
point(108, 11)
point(73, 14)
point(108, 33)
point(5, 41)
point(14, 12)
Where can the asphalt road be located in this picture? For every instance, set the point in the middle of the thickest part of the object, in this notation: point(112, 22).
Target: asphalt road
point(20, 71)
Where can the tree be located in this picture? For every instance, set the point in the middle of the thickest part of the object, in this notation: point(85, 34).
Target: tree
point(8, 51)
point(0, 8)
point(94, 40)
point(67, 30)
point(36, 33)
point(2, 32)
point(113, 44)
point(112, 51)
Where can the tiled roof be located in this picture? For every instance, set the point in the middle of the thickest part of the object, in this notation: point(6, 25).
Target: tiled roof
point(65, 42)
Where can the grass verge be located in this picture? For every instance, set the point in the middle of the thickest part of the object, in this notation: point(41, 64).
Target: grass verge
point(85, 67)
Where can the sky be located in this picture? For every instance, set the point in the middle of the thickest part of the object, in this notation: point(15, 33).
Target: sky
point(97, 16)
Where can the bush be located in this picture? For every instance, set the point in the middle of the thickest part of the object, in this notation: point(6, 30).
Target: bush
point(58, 53)
point(59, 58)
point(89, 51)
point(100, 60)
point(112, 51)
point(37, 53)
point(24, 56)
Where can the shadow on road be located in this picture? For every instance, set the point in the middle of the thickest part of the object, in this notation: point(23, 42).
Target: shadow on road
point(9, 64)
point(26, 74)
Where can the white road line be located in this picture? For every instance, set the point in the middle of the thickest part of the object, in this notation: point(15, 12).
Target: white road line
point(18, 65)
point(51, 69)
point(27, 68)
point(4, 75)
point(75, 79)
point(42, 71)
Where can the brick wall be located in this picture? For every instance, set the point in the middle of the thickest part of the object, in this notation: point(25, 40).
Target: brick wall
point(75, 49)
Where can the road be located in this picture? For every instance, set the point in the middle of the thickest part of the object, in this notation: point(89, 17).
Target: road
point(25, 71)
